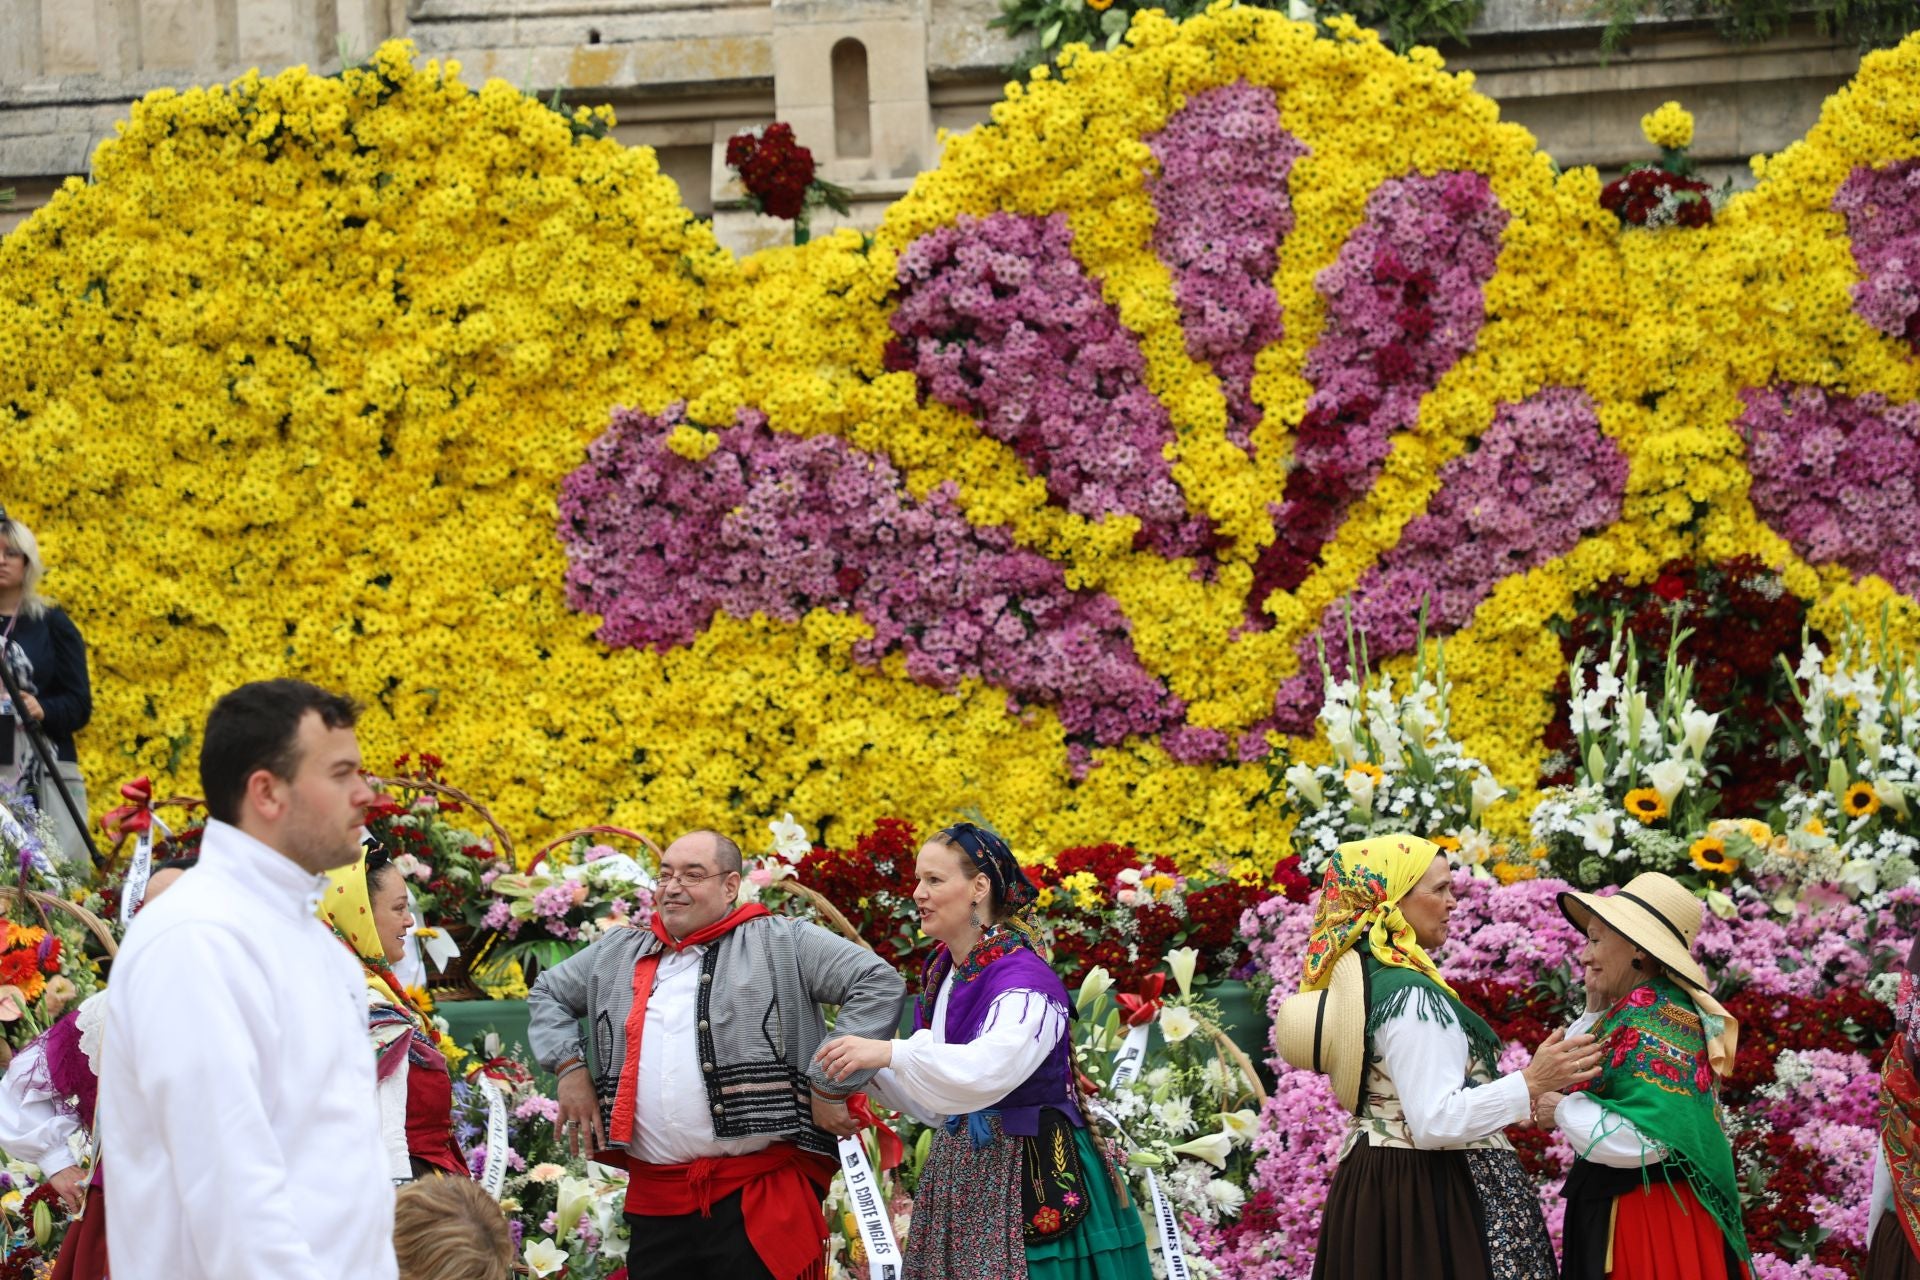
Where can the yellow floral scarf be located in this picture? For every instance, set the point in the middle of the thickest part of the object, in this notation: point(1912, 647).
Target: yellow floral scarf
point(1360, 898)
point(347, 907)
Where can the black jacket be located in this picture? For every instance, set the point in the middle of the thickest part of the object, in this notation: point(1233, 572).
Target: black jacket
point(50, 661)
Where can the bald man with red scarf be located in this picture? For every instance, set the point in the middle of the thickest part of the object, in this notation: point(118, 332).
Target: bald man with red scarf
point(696, 1069)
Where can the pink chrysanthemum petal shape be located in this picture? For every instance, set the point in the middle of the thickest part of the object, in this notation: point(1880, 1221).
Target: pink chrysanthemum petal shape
point(998, 320)
point(1223, 208)
point(1404, 304)
point(779, 525)
point(1542, 478)
point(1838, 478)
point(1882, 208)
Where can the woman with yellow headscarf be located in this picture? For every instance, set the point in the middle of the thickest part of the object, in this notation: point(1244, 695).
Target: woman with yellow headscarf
point(1428, 1185)
point(366, 904)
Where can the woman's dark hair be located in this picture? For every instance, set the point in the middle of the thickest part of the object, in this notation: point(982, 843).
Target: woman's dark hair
point(379, 866)
point(256, 727)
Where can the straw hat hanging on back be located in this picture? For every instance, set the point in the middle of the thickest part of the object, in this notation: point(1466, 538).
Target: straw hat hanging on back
point(1326, 1030)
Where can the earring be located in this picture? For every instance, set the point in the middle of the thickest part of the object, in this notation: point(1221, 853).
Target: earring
point(1637, 964)
point(973, 915)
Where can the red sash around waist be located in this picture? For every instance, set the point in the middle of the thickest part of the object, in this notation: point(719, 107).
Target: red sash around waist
point(780, 1190)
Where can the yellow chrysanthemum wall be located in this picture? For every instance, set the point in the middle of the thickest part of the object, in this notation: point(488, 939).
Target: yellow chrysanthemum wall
point(293, 385)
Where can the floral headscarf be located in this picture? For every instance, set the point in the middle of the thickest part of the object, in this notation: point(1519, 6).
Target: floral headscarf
point(1360, 898)
point(347, 907)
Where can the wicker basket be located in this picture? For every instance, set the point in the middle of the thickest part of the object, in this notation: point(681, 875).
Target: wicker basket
point(576, 833)
point(10, 896)
point(828, 912)
point(430, 787)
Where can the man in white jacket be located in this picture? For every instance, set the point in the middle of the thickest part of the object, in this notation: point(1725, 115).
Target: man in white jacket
point(237, 1109)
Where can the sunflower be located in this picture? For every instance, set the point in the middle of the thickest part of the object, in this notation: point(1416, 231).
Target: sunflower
point(1860, 800)
point(1361, 766)
point(1450, 843)
point(1645, 804)
point(1710, 854)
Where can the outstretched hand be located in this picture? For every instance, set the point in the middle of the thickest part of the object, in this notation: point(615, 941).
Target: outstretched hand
point(842, 1057)
point(1562, 1060)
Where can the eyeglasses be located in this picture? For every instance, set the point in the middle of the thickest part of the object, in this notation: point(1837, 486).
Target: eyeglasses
point(13, 553)
point(688, 879)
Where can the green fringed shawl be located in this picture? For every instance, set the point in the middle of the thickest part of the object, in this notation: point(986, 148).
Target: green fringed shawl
point(1393, 991)
point(1655, 1074)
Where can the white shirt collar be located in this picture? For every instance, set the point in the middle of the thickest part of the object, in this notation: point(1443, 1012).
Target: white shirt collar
point(261, 868)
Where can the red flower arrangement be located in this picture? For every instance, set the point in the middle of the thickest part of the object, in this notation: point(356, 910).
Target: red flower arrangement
point(1743, 622)
point(1640, 197)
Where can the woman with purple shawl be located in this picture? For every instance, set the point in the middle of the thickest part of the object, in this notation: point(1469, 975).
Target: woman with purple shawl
point(1014, 1186)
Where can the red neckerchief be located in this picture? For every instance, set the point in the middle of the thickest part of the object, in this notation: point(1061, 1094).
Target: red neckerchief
point(621, 1124)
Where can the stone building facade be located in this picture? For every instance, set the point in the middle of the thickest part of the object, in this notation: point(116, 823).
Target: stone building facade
point(866, 84)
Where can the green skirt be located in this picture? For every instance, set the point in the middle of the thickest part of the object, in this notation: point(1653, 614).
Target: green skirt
point(1109, 1244)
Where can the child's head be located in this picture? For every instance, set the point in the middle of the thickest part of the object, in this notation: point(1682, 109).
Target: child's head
point(449, 1229)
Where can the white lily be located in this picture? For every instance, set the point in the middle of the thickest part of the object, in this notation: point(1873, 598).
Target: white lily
point(545, 1258)
point(1890, 795)
point(1177, 1022)
point(790, 838)
point(1214, 1149)
point(1240, 1125)
point(1181, 962)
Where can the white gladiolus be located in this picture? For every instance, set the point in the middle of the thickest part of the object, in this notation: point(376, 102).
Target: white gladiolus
point(1360, 788)
point(1181, 962)
point(1302, 779)
point(1696, 727)
point(1486, 791)
point(1669, 778)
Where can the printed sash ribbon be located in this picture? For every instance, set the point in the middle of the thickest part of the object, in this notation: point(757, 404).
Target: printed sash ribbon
point(1127, 1061)
point(884, 1259)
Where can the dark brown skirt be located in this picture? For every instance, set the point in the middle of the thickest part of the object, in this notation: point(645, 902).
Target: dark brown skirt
point(1889, 1256)
point(1397, 1214)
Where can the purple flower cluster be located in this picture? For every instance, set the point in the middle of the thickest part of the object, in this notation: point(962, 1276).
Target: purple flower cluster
point(1223, 209)
point(1838, 477)
point(1543, 477)
point(1882, 208)
point(779, 525)
point(998, 320)
point(1404, 303)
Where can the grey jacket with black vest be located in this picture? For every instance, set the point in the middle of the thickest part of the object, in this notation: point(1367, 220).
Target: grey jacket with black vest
point(759, 1020)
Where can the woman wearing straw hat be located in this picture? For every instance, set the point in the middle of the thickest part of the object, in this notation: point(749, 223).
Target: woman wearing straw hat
point(1428, 1185)
point(1653, 1191)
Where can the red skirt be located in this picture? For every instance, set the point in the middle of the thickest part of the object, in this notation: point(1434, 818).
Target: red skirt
point(1663, 1232)
point(83, 1254)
